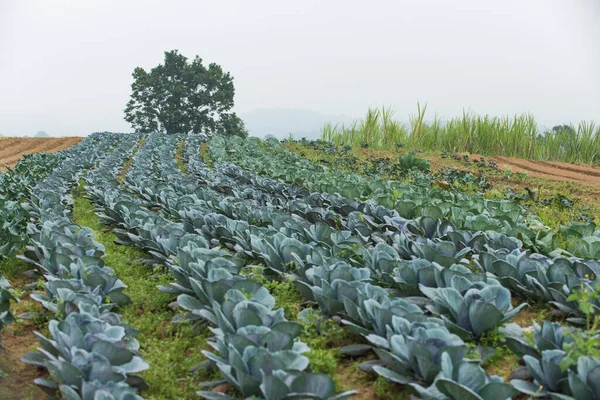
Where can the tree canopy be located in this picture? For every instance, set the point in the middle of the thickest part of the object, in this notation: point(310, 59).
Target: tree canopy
point(181, 97)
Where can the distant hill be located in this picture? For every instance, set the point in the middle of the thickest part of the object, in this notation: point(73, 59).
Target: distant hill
point(280, 122)
point(41, 134)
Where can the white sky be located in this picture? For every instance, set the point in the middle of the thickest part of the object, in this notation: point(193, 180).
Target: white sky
point(65, 66)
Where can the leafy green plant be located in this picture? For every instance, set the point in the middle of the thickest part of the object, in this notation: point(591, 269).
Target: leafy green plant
point(521, 176)
point(409, 161)
point(414, 351)
point(548, 336)
point(283, 385)
point(583, 342)
point(472, 308)
point(465, 381)
point(5, 298)
point(583, 384)
point(548, 375)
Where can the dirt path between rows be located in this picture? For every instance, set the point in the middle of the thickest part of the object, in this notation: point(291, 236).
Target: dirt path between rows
point(17, 379)
point(558, 171)
point(11, 149)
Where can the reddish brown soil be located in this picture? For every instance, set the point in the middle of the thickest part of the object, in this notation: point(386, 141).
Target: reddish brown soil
point(557, 171)
point(17, 379)
point(11, 149)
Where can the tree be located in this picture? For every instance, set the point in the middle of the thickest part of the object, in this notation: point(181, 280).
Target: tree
point(180, 97)
point(564, 130)
point(231, 124)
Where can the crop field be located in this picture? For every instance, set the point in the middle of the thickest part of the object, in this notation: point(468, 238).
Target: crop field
point(180, 267)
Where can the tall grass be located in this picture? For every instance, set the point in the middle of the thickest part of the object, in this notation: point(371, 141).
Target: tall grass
point(512, 136)
point(378, 129)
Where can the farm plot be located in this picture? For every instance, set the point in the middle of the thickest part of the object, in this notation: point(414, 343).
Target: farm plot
point(583, 174)
point(12, 149)
point(271, 254)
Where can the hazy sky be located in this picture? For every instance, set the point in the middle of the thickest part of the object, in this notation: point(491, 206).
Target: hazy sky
point(65, 66)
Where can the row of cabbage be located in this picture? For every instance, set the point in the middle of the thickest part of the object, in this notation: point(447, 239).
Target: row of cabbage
point(375, 309)
point(256, 348)
point(533, 276)
point(583, 239)
point(466, 211)
point(570, 372)
point(372, 294)
point(15, 185)
point(510, 279)
point(90, 353)
point(180, 199)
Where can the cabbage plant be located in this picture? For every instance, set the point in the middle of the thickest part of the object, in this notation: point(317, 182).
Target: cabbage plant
point(413, 350)
point(471, 308)
point(548, 336)
point(548, 376)
point(88, 346)
point(464, 381)
point(5, 297)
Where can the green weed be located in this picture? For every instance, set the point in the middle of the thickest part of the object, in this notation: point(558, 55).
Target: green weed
point(206, 156)
point(504, 361)
point(387, 390)
point(584, 343)
point(12, 268)
point(324, 337)
point(179, 158)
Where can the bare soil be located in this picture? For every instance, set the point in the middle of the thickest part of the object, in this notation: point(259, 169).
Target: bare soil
point(558, 171)
point(11, 149)
point(349, 377)
point(16, 378)
point(16, 381)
